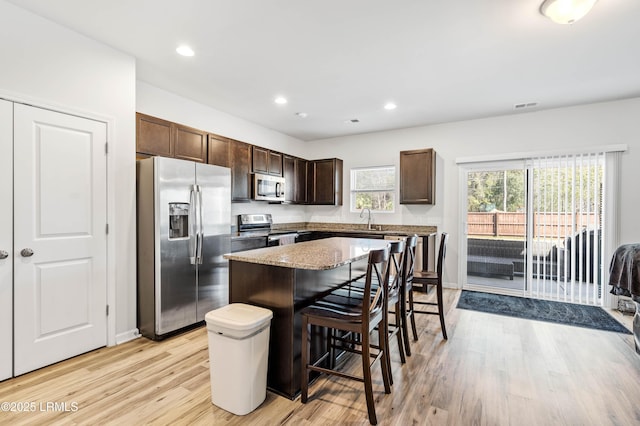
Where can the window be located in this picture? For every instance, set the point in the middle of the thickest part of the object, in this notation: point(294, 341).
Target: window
point(373, 188)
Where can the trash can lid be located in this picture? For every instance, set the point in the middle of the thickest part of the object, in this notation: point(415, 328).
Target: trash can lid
point(238, 316)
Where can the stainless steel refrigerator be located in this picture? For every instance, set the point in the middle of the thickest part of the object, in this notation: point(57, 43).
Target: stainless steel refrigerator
point(184, 226)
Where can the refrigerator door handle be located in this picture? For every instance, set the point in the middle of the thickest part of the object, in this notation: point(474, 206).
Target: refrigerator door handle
point(200, 226)
point(193, 228)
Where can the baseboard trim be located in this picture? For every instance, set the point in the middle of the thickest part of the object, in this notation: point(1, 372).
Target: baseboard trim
point(127, 336)
point(454, 286)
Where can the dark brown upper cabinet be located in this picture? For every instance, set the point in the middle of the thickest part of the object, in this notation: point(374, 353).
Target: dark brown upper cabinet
point(218, 151)
point(300, 194)
point(275, 163)
point(325, 178)
point(190, 144)
point(417, 176)
point(266, 161)
point(289, 173)
point(295, 174)
point(259, 159)
point(240, 162)
point(155, 136)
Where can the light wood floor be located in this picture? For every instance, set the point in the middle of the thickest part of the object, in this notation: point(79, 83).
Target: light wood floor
point(494, 370)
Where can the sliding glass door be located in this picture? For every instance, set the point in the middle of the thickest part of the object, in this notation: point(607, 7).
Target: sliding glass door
point(535, 227)
point(496, 227)
point(566, 227)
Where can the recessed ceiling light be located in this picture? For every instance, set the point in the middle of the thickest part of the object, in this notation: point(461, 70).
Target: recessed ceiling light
point(280, 100)
point(185, 50)
point(390, 105)
point(301, 114)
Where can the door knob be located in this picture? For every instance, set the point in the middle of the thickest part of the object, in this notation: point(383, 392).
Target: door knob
point(3, 254)
point(26, 252)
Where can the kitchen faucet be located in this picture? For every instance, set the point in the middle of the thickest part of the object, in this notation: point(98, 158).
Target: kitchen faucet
point(368, 217)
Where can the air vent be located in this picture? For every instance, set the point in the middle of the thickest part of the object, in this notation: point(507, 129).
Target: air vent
point(525, 105)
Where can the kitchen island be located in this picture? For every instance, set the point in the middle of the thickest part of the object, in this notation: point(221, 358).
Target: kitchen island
point(287, 278)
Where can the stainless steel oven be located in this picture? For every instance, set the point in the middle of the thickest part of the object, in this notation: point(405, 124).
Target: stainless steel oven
point(258, 227)
point(268, 188)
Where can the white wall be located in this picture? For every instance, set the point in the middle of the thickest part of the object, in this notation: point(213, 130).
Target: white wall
point(575, 127)
point(51, 66)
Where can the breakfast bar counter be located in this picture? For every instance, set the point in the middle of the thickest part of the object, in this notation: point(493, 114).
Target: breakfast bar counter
point(287, 278)
point(322, 254)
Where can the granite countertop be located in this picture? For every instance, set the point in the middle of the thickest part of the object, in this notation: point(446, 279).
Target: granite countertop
point(350, 228)
point(327, 253)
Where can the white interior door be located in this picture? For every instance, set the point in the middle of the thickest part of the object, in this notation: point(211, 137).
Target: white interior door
point(59, 237)
point(6, 240)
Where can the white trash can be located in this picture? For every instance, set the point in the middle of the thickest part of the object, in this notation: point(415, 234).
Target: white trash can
point(238, 354)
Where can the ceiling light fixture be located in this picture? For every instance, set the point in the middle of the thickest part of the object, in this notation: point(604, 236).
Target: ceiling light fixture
point(390, 105)
point(280, 100)
point(566, 11)
point(185, 50)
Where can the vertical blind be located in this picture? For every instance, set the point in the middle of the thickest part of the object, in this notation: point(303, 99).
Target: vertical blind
point(565, 221)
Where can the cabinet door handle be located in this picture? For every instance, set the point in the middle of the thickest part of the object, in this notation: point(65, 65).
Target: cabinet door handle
point(26, 252)
point(3, 254)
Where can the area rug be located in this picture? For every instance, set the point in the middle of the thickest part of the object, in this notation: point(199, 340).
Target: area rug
point(540, 310)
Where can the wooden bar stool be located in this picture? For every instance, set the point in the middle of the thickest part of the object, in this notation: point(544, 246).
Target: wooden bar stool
point(360, 316)
point(393, 296)
point(406, 307)
point(422, 279)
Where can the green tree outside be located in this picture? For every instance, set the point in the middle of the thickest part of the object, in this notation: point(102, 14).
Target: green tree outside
point(556, 189)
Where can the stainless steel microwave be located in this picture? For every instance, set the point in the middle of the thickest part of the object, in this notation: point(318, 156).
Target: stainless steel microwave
point(268, 188)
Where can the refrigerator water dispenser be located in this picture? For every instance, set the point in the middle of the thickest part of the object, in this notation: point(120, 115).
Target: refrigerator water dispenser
point(178, 220)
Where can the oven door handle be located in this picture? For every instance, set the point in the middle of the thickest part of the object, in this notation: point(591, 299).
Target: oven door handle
point(274, 240)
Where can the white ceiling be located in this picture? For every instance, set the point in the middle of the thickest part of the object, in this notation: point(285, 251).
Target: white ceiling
point(337, 60)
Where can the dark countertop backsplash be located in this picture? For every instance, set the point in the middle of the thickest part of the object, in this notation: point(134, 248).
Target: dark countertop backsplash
point(357, 228)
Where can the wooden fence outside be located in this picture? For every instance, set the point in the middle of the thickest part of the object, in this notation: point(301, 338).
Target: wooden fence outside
point(515, 224)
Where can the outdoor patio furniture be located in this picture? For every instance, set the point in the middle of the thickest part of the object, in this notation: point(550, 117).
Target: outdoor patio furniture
point(494, 257)
point(489, 265)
